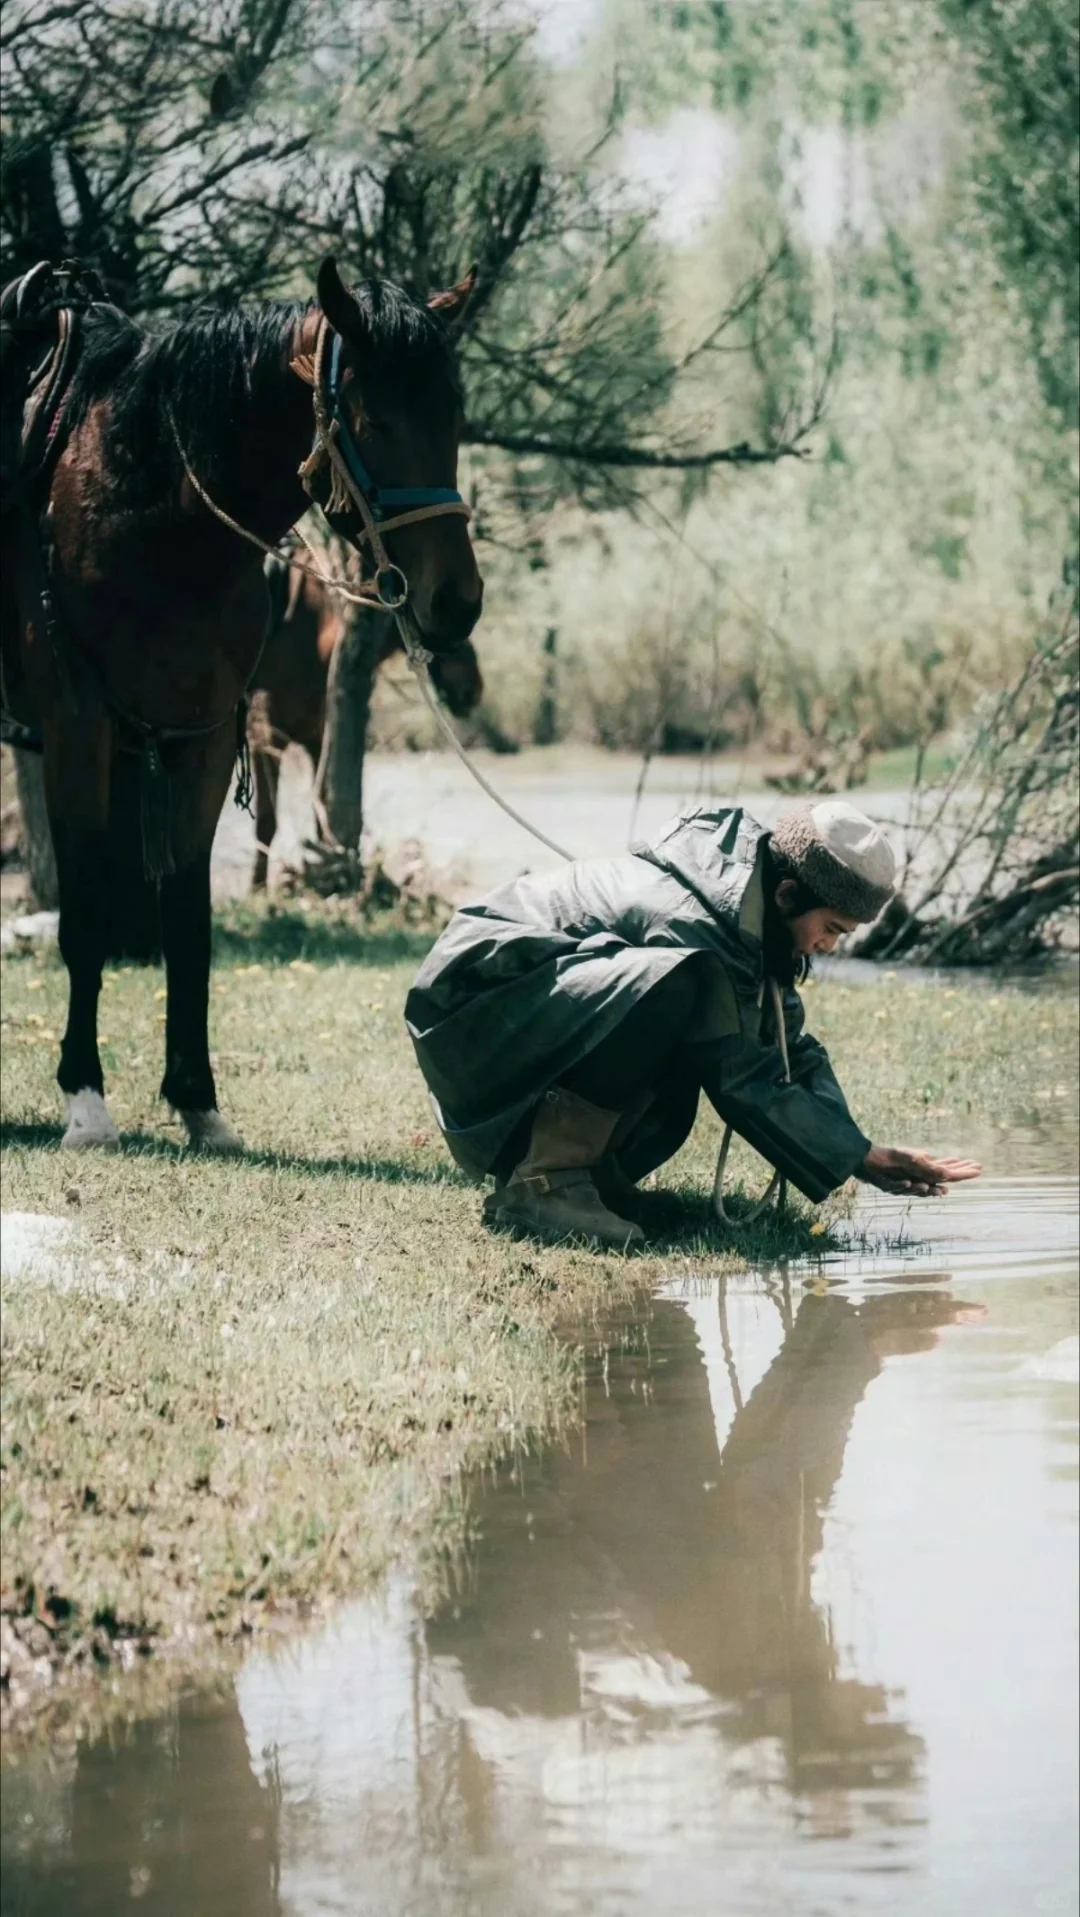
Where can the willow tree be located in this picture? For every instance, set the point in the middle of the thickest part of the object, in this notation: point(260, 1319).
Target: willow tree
point(999, 840)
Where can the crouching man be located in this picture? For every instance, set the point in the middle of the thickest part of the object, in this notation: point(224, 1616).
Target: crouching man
point(567, 1023)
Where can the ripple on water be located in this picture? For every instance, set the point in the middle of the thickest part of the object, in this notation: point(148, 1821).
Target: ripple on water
point(789, 1626)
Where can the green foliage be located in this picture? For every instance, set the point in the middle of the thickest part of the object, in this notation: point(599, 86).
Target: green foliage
point(214, 154)
point(894, 258)
point(1020, 67)
point(1012, 70)
point(883, 589)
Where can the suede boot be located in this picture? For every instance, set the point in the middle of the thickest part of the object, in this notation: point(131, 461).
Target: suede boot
point(551, 1194)
point(618, 1191)
point(650, 1209)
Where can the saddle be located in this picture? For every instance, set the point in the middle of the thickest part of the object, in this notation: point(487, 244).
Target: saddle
point(41, 318)
point(40, 331)
point(40, 327)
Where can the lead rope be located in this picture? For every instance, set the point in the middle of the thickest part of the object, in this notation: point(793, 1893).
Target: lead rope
point(417, 655)
point(777, 1183)
point(342, 489)
point(339, 586)
point(418, 658)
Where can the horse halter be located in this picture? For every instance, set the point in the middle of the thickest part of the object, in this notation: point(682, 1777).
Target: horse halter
point(382, 509)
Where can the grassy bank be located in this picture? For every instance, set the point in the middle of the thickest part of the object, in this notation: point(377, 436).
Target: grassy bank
point(249, 1385)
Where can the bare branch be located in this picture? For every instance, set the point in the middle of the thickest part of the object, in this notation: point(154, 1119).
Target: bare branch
point(599, 454)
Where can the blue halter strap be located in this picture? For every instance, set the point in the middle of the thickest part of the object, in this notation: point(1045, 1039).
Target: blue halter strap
point(385, 501)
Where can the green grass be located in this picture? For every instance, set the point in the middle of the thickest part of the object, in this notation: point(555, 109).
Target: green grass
point(273, 1373)
point(895, 769)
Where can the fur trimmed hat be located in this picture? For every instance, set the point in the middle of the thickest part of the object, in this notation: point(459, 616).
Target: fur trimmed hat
point(840, 854)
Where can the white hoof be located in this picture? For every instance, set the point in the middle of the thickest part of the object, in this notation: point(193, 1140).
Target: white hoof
point(89, 1126)
point(209, 1132)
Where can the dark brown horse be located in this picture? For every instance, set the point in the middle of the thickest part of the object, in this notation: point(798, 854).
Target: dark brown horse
point(288, 703)
point(132, 618)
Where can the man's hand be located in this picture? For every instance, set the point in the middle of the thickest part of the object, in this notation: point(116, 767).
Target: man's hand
point(915, 1172)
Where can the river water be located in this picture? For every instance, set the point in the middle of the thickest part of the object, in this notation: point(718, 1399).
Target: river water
point(584, 799)
point(787, 1630)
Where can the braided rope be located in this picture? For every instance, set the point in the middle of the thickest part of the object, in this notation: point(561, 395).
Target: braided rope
point(777, 1185)
point(418, 659)
point(343, 489)
point(339, 586)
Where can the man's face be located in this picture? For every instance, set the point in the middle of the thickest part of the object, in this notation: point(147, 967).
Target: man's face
point(812, 933)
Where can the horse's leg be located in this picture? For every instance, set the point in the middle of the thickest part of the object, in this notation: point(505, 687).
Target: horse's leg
point(267, 767)
point(199, 778)
point(78, 757)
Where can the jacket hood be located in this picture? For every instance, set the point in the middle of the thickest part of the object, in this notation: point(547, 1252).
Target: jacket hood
point(715, 853)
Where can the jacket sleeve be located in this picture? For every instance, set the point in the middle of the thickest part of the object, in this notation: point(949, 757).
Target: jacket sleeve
point(804, 1128)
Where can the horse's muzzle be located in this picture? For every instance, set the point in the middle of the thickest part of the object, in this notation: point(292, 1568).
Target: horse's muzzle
point(450, 617)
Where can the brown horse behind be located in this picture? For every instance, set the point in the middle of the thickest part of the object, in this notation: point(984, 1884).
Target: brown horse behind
point(289, 688)
point(132, 616)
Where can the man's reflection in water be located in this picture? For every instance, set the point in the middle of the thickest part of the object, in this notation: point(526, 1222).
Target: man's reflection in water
point(671, 1540)
point(637, 1667)
point(168, 1819)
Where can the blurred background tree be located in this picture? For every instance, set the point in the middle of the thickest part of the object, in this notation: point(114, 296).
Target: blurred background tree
point(708, 235)
point(196, 153)
point(1020, 66)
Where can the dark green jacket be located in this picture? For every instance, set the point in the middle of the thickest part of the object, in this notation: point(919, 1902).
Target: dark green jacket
point(522, 984)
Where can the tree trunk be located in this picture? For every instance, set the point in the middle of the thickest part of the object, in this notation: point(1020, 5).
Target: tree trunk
point(339, 783)
point(36, 838)
point(546, 723)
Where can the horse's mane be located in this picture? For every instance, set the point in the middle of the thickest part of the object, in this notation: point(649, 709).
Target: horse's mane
point(212, 367)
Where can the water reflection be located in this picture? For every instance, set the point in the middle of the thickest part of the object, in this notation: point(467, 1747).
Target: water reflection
point(786, 1627)
point(668, 1563)
point(167, 1814)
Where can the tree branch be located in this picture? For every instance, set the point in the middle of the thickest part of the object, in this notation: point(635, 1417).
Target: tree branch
point(599, 454)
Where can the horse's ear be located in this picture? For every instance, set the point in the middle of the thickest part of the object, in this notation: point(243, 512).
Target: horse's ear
point(337, 300)
point(451, 306)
